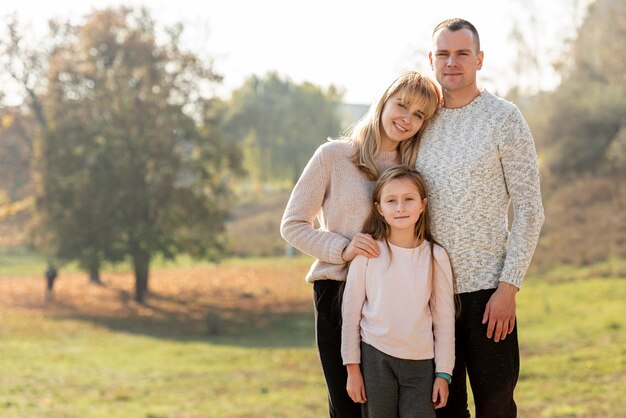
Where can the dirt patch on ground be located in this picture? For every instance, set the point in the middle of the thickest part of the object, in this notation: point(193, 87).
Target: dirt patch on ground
point(185, 299)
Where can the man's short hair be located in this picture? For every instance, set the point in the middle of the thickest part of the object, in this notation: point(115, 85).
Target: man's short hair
point(458, 24)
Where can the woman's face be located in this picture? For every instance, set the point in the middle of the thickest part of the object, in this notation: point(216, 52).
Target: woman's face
point(400, 121)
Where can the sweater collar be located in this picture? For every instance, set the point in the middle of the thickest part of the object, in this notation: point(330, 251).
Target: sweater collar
point(475, 102)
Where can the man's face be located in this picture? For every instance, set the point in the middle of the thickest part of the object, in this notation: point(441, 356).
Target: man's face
point(455, 59)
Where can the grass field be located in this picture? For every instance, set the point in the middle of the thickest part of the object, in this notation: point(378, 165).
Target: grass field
point(236, 340)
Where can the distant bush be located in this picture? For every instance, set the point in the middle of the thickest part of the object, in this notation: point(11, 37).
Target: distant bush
point(585, 222)
point(253, 228)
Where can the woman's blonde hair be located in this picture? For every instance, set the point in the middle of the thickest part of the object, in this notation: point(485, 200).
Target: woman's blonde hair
point(411, 86)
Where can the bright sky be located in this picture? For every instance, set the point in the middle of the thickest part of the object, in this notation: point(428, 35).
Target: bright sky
point(357, 45)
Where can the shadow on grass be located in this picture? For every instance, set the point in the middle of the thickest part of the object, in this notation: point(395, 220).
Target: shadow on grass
point(272, 329)
point(174, 318)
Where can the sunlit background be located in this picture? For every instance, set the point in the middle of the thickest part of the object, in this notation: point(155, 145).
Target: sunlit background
point(147, 152)
point(355, 45)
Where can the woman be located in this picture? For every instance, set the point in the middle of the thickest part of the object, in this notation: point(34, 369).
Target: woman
point(336, 187)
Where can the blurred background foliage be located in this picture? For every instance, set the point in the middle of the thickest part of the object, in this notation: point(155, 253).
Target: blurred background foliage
point(121, 151)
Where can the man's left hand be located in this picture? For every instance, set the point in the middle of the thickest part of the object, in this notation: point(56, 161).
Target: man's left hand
point(500, 312)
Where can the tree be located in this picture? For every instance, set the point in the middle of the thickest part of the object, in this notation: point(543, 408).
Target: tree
point(26, 65)
point(280, 124)
point(132, 163)
point(16, 153)
point(580, 129)
point(586, 115)
point(22, 127)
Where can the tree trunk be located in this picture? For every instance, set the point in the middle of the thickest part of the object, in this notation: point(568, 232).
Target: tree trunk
point(141, 263)
point(94, 273)
point(37, 108)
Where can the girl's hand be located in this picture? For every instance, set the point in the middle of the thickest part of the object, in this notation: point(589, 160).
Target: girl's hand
point(440, 393)
point(361, 244)
point(355, 386)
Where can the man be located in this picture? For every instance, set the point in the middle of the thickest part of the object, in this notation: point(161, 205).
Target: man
point(477, 156)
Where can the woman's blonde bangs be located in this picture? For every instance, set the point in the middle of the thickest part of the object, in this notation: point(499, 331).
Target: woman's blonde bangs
point(420, 90)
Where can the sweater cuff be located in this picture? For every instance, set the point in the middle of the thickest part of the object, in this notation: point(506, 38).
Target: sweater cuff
point(336, 250)
point(512, 279)
point(446, 368)
point(351, 357)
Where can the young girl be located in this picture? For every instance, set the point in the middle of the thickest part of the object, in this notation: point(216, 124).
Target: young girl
point(398, 308)
point(336, 188)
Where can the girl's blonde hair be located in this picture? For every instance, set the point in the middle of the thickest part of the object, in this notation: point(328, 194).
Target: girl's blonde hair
point(412, 87)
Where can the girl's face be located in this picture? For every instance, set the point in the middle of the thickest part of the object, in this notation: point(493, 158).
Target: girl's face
point(401, 204)
point(399, 121)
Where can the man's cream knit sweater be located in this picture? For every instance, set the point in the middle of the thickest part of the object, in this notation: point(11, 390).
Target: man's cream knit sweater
point(476, 159)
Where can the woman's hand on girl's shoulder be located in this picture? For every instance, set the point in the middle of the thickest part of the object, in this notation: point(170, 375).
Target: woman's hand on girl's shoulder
point(361, 244)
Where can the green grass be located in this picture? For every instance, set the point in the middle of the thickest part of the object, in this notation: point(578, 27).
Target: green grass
point(69, 368)
point(20, 261)
point(573, 342)
point(572, 333)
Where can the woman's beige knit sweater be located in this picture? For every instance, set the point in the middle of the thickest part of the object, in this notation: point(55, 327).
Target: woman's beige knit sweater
point(334, 191)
